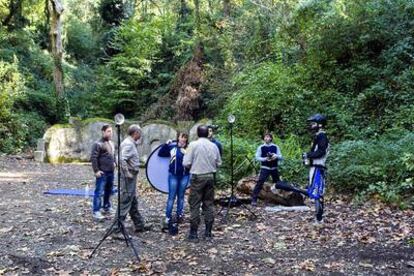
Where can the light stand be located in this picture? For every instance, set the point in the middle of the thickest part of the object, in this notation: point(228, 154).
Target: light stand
point(119, 120)
point(232, 200)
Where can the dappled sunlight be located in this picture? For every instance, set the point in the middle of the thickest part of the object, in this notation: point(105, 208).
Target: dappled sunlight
point(12, 177)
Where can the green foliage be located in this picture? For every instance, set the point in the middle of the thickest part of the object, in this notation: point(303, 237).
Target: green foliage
point(11, 85)
point(126, 79)
point(81, 43)
point(382, 166)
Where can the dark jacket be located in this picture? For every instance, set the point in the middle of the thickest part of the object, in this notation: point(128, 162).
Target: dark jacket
point(218, 144)
point(262, 153)
point(102, 156)
point(176, 155)
point(319, 150)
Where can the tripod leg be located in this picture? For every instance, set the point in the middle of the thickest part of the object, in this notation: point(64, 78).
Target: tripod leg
point(228, 209)
point(248, 209)
point(109, 232)
point(128, 241)
point(124, 233)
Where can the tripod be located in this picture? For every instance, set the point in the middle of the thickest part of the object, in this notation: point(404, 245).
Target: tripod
point(232, 200)
point(118, 221)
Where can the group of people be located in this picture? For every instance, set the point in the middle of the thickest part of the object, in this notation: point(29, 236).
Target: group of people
point(197, 162)
point(200, 159)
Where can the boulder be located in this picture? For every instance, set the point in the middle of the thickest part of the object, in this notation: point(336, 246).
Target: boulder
point(154, 135)
point(246, 186)
point(193, 131)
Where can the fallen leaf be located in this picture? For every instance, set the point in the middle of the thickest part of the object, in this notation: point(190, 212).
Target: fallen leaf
point(366, 265)
point(308, 265)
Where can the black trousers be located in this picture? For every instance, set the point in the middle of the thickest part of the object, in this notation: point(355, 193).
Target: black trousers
point(263, 176)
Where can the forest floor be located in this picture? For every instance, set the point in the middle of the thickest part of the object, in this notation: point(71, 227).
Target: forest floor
point(53, 235)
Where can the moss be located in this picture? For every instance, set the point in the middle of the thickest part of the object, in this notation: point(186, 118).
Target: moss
point(63, 160)
point(95, 120)
point(58, 126)
point(204, 121)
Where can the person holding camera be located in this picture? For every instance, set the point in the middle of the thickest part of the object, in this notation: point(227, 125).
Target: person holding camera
point(178, 176)
point(268, 155)
point(316, 160)
point(211, 130)
point(103, 165)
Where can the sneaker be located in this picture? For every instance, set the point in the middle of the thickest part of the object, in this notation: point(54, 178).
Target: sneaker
point(273, 189)
point(318, 222)
point(98, 216)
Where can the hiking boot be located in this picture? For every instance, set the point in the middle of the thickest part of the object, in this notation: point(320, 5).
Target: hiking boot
point(117, 235)
point(144, 228)
point(207, 234)
point(193, 236)
point(98, 216)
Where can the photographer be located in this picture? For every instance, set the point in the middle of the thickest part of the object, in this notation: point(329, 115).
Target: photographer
point(211, 130)
point(268, 155)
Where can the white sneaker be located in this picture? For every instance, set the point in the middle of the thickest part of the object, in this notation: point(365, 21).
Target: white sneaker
point(273, 189)
point(318, 222)
point(98, 216)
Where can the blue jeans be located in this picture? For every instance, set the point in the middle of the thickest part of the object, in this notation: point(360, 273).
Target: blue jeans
point(103, 186)
point(176, 189)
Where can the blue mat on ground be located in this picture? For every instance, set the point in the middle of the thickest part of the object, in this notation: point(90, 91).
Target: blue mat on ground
point(72, 192)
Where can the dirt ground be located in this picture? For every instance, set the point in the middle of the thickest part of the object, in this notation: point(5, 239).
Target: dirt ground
point(53, 235)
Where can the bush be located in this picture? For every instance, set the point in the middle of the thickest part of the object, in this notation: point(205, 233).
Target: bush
point(383, 166)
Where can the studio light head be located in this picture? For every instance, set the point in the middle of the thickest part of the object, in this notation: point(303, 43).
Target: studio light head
point(119, 119)
point(231, 119)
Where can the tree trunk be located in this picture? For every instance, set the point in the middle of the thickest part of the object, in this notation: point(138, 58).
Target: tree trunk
point(55, 11)
point(226, 8)
point(197, 13)
point(246, 186)
point(15, 17)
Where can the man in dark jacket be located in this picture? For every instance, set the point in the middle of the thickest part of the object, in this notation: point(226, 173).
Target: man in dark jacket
point(316, 160)
point(211, 130)
point(103, 165)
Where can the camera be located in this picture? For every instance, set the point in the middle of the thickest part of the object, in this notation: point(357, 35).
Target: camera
point(305, 159)
point(213, 127)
